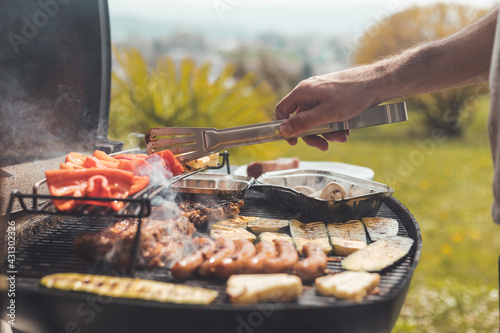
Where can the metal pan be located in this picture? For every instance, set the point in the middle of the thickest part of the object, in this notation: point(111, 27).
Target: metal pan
point(212, 186)
point(363, 198)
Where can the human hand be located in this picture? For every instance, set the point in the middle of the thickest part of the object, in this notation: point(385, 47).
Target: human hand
point(320, 100)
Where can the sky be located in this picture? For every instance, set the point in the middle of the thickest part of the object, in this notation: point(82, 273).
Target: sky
point(280, 16)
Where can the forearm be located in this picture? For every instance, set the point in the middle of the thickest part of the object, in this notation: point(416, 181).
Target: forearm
point(461, 59)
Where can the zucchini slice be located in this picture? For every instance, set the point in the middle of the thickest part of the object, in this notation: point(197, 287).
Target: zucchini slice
point(237, 221)
point(129, 288)
point(346, 237)
point(231, 233)
point(381, 227)
point(267, 225)
point(304, 233)
point(271, 236)
point(378, 255)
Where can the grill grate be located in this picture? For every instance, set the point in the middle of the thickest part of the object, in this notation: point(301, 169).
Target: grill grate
point(51, 251)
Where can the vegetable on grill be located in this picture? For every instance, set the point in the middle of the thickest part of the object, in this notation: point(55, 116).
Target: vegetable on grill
point(346, 237)
point(304, 233)
point(129, 288)
point(378, 255)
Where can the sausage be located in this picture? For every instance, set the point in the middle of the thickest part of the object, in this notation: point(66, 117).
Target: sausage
point(224, 247)
point(255, 264)
point(255, 169)
point(187, 265)
point(286, 259)
point(234, 263)
point(313, 265)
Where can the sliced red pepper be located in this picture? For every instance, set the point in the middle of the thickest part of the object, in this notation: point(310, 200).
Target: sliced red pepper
point(105, 159)
point(169, 161)
point(88, 182)
point(75, 158)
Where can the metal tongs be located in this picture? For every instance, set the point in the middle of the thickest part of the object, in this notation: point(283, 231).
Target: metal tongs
point(190, 143)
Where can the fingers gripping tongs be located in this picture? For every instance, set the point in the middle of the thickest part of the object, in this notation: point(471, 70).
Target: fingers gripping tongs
point(190, 143)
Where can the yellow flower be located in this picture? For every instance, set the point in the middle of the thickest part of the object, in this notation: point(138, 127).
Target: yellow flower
point(446, 249)
point(457, 237)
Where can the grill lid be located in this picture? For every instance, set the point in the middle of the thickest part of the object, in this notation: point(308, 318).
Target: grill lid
point(55, 68)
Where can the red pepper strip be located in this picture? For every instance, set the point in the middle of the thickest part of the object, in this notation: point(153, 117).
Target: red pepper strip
point(105, 159)
point(129, 156)
point(169, 161)
point(75, 158)
point(92, 162)
point(77, 183)
point(140, 182)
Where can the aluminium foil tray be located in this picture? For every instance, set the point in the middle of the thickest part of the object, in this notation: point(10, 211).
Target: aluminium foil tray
point(363, 198)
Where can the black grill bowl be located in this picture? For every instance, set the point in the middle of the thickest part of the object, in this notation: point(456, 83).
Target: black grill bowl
point(44, 310)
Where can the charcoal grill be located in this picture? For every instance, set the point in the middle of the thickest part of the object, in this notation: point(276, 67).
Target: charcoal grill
point(59, 76)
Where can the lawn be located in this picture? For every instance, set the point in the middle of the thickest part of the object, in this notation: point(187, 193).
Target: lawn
point(446, 184)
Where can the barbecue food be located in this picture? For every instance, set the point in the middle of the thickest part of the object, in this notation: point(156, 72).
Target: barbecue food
point(380, 227)
point(187, 266)
point(347, 285)
point(286, 259)
point(255, 169)
point(267, 225)
point(238, 221)
point(253, 288)
point(347, 237)
point(200, 213)
point(235, 263)
point(263, 250)
point(224, 247)
point(313, 265)
point(202, 162)
point(332, 191)
point(379, 255)
point(161, 243)
point(113, 286)
point(271, 236)
point(303, 233)
point(231, 233)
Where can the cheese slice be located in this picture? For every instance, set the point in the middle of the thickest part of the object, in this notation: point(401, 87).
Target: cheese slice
point(347, 237)
point(347, 285)
point(254, 288)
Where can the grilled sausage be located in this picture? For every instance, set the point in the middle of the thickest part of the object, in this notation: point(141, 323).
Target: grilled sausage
point(224, 247)
point(187, 265)
point(313, 265)
point(255, 264)
point(286, 259)
point(234, 263)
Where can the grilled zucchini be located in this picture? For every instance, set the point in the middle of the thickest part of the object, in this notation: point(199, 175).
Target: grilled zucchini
point(271, 236)
point(267, 225)
point(347, 237)
point(381, 227)
point(129, 288)
point(237, 221)
point(379, 255)
point(304, 233)
point(253, 288)
point(231, 233)
point(347, 285)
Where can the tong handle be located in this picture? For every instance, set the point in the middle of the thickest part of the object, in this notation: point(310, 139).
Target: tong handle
point(216, 140)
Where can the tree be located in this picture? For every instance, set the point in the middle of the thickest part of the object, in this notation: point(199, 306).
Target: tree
point(450, 110)
point(183, 94)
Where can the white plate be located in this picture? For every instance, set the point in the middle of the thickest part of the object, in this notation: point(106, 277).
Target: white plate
point(343, 168)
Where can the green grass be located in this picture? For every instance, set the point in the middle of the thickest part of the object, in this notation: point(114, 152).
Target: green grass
point(446, 184)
